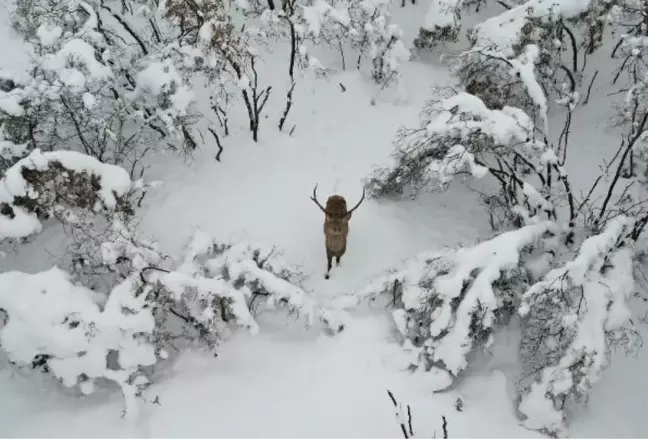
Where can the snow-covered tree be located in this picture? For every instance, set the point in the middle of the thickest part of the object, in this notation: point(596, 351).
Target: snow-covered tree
point(449, 303)
point(58, 184)
point(375, 37)
point(58, 325)
point(94, 92)
point(459, 133)
point(14, 124)
point(571, 320)
point(571, 290)
point(211, 45)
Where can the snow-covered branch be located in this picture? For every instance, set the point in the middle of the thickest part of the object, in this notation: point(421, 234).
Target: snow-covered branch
point(95, 92)
point(52, 318)
point(448, 303)
point(569, 316)
point(58, 183)
point(459, 133)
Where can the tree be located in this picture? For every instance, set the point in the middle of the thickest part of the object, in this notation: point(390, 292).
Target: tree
point(92, 91)
point(571, 320)
point(571, 288)
point(212, 45)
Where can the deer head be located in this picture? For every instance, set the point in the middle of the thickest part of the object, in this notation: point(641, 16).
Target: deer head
point(336, 208)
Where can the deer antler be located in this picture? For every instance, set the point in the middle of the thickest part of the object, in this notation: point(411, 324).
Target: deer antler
point(314, 198)
point(359, 202)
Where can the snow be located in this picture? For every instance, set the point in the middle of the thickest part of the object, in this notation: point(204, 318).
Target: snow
point(285, 380)
point(507, 126)
point(162, 77)
point(77, 51)
point(605, 294)
point(455, 161)
point(9, 150)
point(89, 101)
point(50, 315)
point(505, 29)
point(440, 14)
point(524, 66)
point(114, 180)
point(49, 35)
point(252, 377)
point(10, 103)
point(316, 15)
point(535, 199)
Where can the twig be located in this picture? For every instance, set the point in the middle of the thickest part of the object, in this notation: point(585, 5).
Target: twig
point(407, 431)
point(150, 267)
point(617, 174)
point(218, 143)
point(445, 427)
point(574, 46)
point(589, 88)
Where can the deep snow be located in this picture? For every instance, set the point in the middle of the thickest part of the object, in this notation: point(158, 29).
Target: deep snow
point(288, 381)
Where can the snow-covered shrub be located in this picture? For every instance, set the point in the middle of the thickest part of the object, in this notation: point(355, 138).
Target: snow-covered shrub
point(448, 303)
point(376, 38)
point(571, 320)
point(441, 23)
point(14, 126)
point(257, 273)
point(155, 305)
point(459, 133)
point(521, 65)
point(364, 25)
point(212, 45)
point(60, 184)
point(96, 93)
point(59, 325)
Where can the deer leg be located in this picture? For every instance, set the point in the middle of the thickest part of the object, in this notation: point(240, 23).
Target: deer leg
point(329, 263)
point(339, 255)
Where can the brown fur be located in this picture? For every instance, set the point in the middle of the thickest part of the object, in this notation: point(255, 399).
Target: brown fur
point(336, 227)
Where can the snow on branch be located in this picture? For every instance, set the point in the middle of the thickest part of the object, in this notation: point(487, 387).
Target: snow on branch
point(576, 309)
point(441, 24)
point(152, 303)
point(52, 319)
point(159, 85)
point(216, 284)
point(12, 96)
point(447, 303)
point(523, 67)
point(455, 134)
point(55, 183)
point(504, 31)
point(243, 274)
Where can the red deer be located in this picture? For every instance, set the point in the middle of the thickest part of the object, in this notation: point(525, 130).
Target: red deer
point(336, 226)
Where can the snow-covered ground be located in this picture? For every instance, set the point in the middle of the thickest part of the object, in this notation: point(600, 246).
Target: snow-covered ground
point(289, 381)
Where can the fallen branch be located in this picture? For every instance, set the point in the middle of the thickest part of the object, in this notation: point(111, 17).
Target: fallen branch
point(408, 432)
point(218, 143)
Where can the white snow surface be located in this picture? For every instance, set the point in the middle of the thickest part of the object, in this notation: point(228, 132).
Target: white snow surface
point(288, 381)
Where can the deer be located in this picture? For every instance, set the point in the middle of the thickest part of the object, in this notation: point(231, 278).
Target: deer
point(336, 226)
